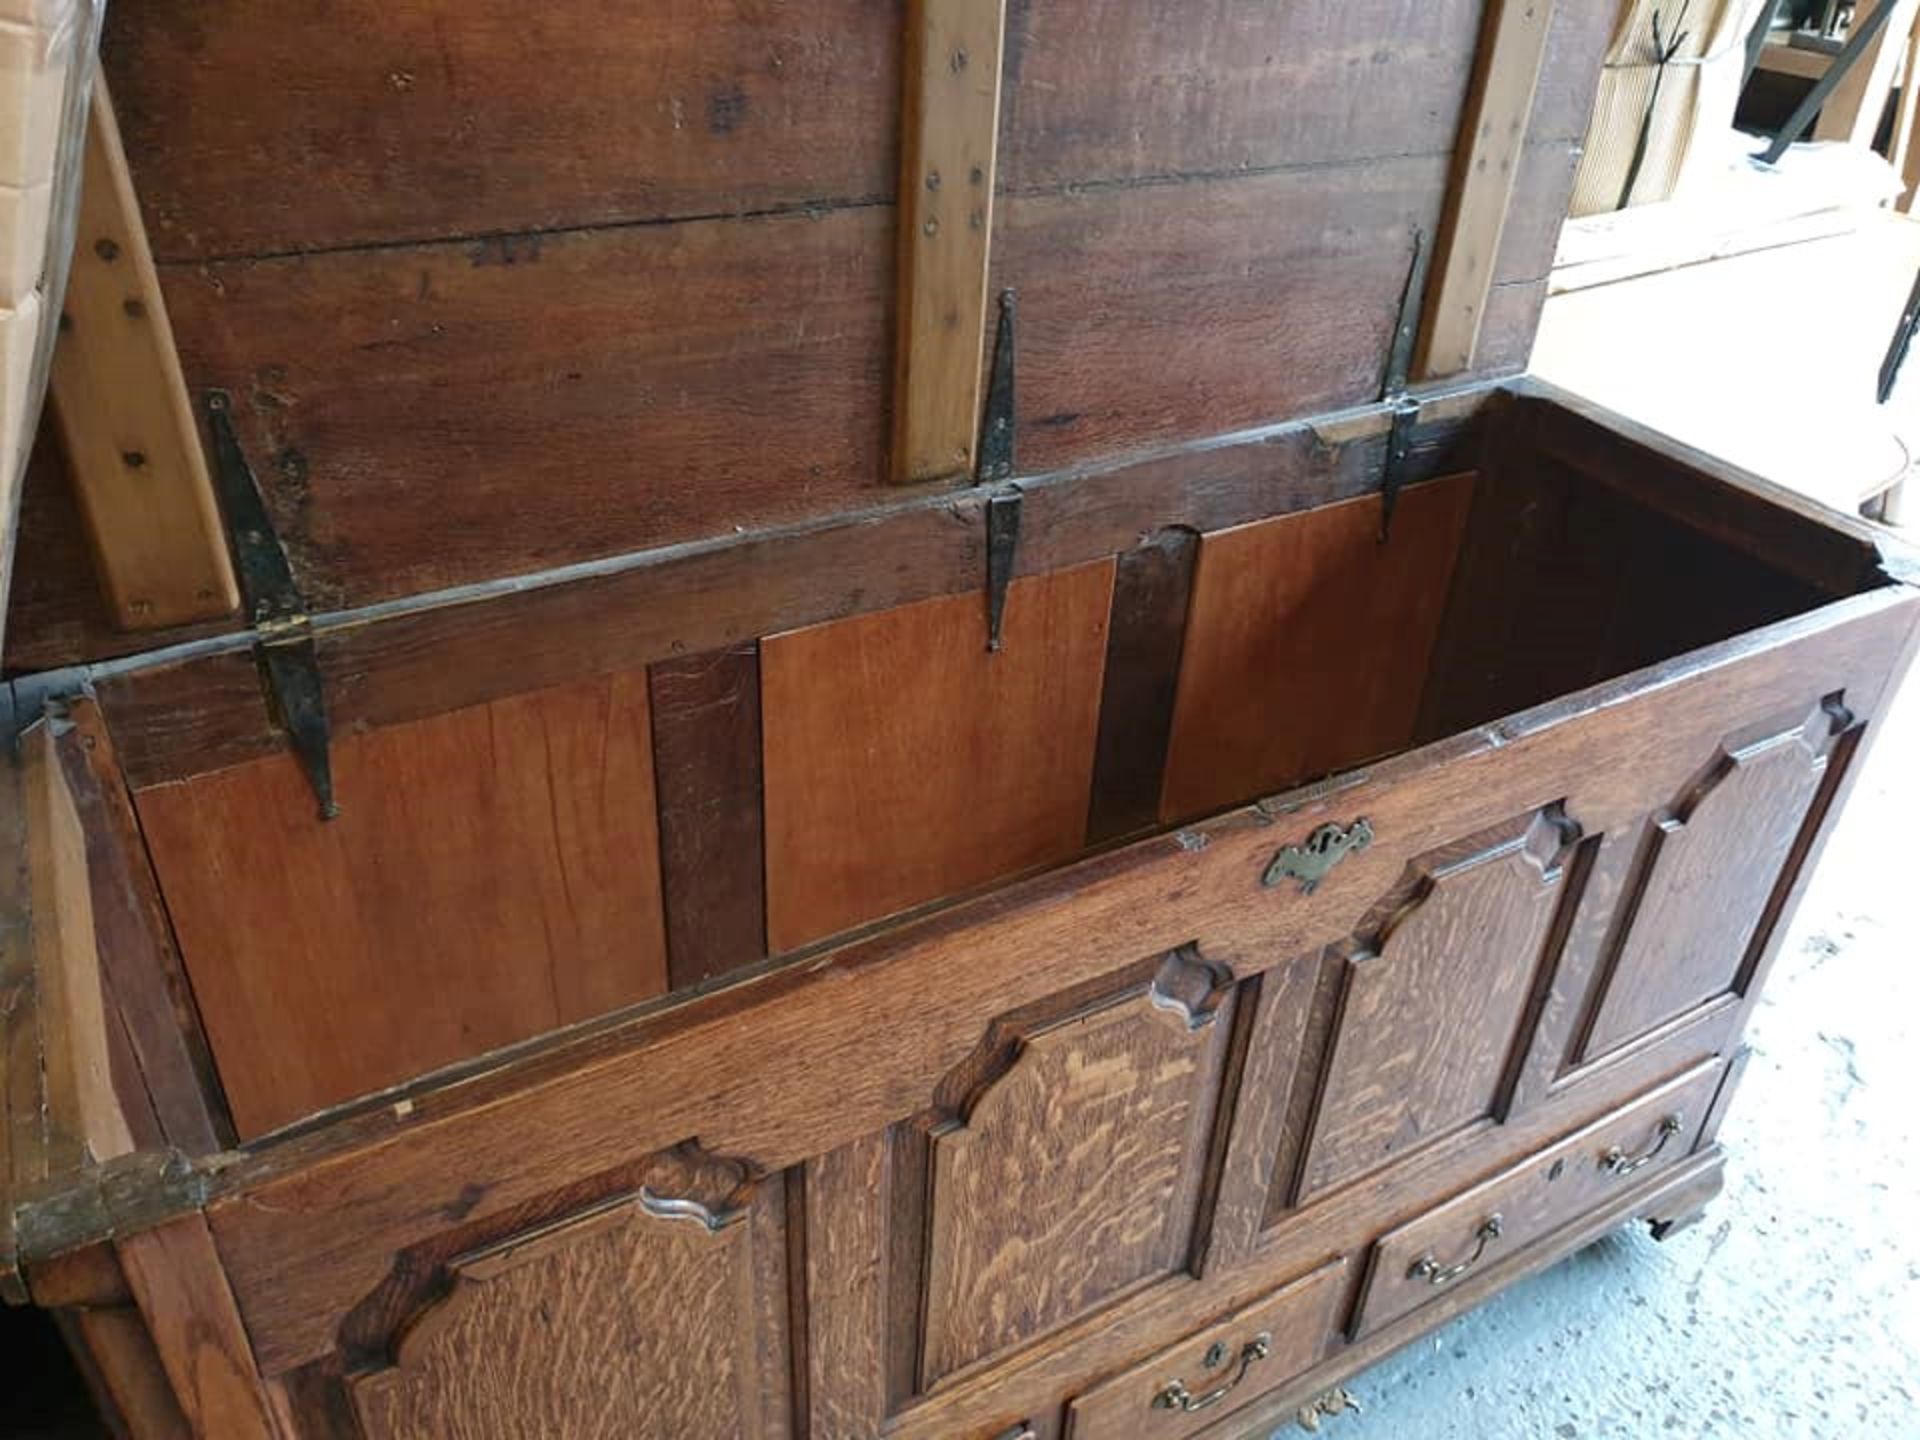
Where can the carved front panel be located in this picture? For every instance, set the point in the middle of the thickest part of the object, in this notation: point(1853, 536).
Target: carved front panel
point(1071, 1171)
point(658, 1314)
point(1708, 867)
point(1433, 999)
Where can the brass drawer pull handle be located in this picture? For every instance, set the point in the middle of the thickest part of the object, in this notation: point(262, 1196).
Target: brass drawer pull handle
point(1428, 1269)
point(1617, 1162)
point(1178, 1398)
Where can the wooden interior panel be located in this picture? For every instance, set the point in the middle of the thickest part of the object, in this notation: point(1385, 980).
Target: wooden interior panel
point(625, 1320)
point(1429, 1024)
point(494, 873)
point(1158, 313)
point(424, 416)
point(437, 118)
point(1308, 643)
point(905, 762)
point(1706, 868)
point(1070, 1172)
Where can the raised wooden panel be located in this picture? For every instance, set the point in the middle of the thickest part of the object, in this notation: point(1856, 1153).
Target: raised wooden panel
point(662, 1315)
point(1070, 1174)
point(1709, 864)
point(494, 873)
point(1430, 1019)
point(1307, 645)
point(905, 762)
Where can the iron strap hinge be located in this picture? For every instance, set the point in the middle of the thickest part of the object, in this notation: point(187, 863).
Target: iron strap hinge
point(283, 635)
point(1393, 386)
point(993, 464)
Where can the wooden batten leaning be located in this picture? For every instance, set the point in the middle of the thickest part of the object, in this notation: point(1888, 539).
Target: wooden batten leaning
point(842, 933)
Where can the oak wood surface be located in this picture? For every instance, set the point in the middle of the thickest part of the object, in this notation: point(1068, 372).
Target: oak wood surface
point(846, 1288)
point(706, 766)
point(927, 764)
point(132, 446)
point(653, 1076)
point(494, 874)
point(175, 1275)
point(949, 134)
point(1307, 645)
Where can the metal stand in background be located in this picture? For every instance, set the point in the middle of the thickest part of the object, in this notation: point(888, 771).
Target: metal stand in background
point(1859, 42)
point(1757, 38)
point(1891, 501)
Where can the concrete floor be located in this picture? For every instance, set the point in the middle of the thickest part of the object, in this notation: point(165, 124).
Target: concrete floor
point(1793, 1309)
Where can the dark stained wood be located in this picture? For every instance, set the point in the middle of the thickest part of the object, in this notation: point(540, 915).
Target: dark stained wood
point(1298, 1322)
point(1070, 1176)
point(1151, 585)
point(1728, 837)
point(452, 119)
point(126, 1372)
point(145, 984)
point(191, 716)
point(1433, 999)
point(481, 897)
point(706, 766)
point(905, 762)
point(1307, 645)
point(298, 1246)
point(175, 1275)
point(588, 406)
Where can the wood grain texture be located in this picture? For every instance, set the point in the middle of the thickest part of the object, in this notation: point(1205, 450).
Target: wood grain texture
point(904, 762)
point(494, 874)
point(1430, 1017)
point(846, 1289)
point(1299, 1324)
point(435, 122)
point(85, 1119)
point(23, 1135)
point(614, 1323)
point(652, 384)
point(816, 1055)
point(1151, 587)
point(1487, 161)
point(950, 129)
point(144, 984)
point(121, 1355)
point(1727, 838)
point(1302, 618)
point(131, 442)
point(1072, 1176)
point(1535, 1197)
point(187, 718)
point(706, 765)
point(176, 1277)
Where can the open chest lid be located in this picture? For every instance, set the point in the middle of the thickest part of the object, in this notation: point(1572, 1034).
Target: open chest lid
point(486, 294)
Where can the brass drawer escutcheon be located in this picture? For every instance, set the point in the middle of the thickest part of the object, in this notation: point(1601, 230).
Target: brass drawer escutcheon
point(1177, 1398)
point(1311, 861)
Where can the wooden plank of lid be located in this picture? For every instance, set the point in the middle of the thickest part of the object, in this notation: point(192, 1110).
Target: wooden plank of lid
point(1487, 161)
point(132, 447)
point(950, 124)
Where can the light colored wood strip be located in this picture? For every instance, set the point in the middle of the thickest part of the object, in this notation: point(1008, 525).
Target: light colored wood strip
point(121, 401)
point(949, 126)
point(1487, 159)
point(176, 1276)
point(84, 1116)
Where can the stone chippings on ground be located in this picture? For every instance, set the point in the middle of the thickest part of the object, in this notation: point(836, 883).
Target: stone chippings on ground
point(1793, 1308)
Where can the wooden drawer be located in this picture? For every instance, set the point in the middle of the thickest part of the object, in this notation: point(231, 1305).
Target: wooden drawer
point(1418, 1261)
point(1215, 1371)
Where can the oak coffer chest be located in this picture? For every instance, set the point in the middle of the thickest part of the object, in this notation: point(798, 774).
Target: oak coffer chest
point(864, 719)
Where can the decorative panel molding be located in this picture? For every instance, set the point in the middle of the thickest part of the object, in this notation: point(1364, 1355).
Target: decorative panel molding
point(660, 1312)
point(1436, 993)
point(1708, 866)
point(1068, 1169)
